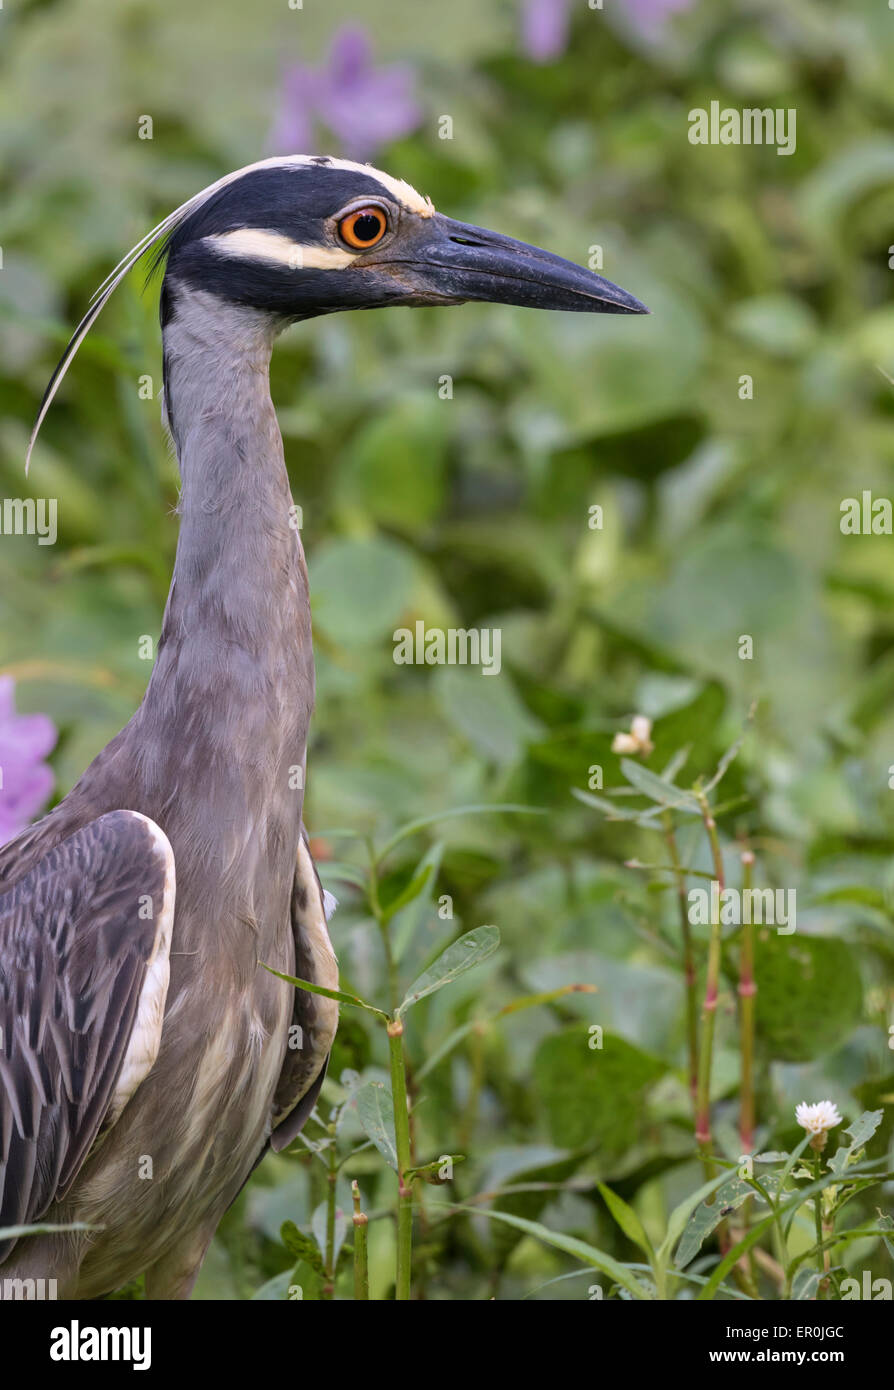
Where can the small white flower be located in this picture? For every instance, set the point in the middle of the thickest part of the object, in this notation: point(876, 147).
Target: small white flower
point(638, 740)
point(819, 1118)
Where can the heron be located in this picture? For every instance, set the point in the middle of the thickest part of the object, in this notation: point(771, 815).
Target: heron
point(147, 1060)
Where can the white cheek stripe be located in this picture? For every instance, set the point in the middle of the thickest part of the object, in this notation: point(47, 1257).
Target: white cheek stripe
point(255, 244)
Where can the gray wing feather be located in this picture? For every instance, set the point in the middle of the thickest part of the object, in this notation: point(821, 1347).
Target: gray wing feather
point(304, 1069)
point(75, 939)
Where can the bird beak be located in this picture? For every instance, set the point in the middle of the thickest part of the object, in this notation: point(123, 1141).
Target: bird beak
point(453, 261)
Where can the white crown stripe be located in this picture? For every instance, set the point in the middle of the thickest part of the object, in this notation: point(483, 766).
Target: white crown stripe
point(404, 193)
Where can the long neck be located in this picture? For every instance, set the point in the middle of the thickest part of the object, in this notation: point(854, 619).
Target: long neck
point(236, 633)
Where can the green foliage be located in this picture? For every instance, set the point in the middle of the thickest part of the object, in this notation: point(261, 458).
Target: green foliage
point(809, 994)
point(593, 1096)
point(438, 798)
point(470, 950)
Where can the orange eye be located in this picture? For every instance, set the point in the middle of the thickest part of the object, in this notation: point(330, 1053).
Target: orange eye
point(363, 228)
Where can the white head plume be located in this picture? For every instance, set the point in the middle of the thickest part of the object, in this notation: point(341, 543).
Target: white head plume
point(403, 192)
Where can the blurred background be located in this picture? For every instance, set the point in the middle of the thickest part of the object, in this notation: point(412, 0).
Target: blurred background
point(568, 126)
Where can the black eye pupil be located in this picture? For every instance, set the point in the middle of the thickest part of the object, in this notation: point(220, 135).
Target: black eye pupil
point(367, 227)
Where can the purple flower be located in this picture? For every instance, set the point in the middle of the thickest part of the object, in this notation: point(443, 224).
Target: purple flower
point(25, 779)
point(650, 16)
point(545, 25)
point(365, 106)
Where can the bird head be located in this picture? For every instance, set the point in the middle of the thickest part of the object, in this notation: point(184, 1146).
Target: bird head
point(304, 235)
point(313, 235)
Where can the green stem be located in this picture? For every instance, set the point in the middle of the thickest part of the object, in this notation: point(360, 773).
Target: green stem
point(361, 1264)
point(402, 1137)
point(822, 1251)
point(747, 992)
point(688, 955)
point(709, 1008)
point(379, 915)
point(332, 1179)
point(777, 1236)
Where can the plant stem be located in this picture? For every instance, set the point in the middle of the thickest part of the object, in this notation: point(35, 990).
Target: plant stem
point(747, 992)
point(818, 1220)
point(379, 915)
point(331, 1179)
point(688, 955)
point(823, 1253)
point(402, 1138)
point(709, 1009)
point(361, 1265)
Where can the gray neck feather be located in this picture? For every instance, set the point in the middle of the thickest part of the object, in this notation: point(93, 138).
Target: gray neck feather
point(235, 652)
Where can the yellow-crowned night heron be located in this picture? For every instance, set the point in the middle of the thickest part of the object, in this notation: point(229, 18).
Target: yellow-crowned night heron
point(145, 1058)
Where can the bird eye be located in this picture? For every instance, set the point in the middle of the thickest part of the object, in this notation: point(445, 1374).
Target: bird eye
point(363, 228)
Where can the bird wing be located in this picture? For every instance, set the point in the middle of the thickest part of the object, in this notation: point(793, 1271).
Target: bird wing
point(314, 1018)
point(84, 946)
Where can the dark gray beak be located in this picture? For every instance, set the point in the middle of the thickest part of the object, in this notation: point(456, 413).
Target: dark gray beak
point(453, 261)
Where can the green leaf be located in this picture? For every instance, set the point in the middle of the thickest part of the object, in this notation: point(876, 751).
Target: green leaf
point(777, 323)
point(676, 1222)
point(470, 950)
point(353, 999)
point(333, 871)
point(838, 1238)
point(806, 1283)
point(626, 1218)
point(318, 1225)
point(593, 1096)
point(534, 1183)
point(475, 810)
point(792, 1158)
point(656, 789)
point(488, 713)
point(676, 764)
point(886, 1224)
point(302, 1246)
point(610, 809)
point(707, 1217)
point(861, 1131)
point(859, 893)
point(589, 1254)
point(809, 994)
point(375, 1111)
point(379, 474)
point(530, 1001)
point(275, 1289)
point(839, 182)
point(730, 755)
point(447, 1046)
point(411, 891)
point(44, 1228)
point(429, 1171)
point(788, 1207)
point(361, 587)
point(733, 1256)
